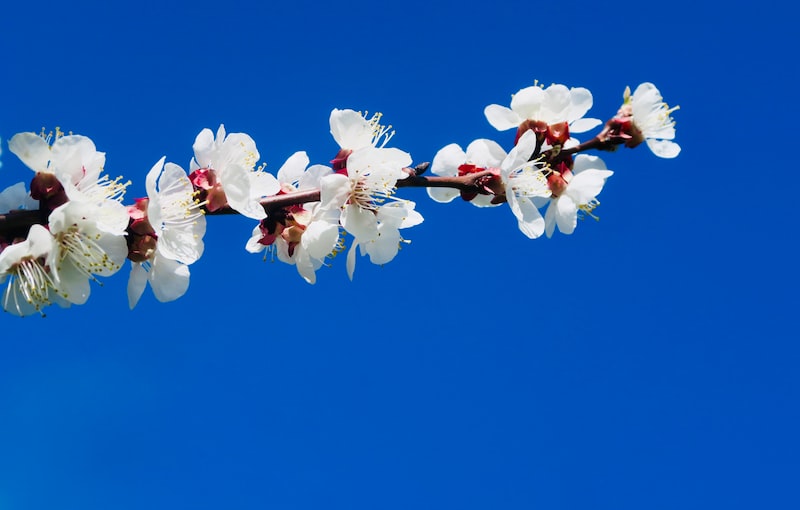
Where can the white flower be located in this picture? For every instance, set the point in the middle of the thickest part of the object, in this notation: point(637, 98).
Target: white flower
point(551, 105)
point(296, 175)
point(451, 161)
point(583, 184)
point(372, 176)
point(75, 162)
point(27, 265)
point(524, 182)
point(352, 130)
point(651, 115)
point(174, 213)
point(89, 240)
point(370, 212)
point(175, 238)
point(232, 158)
point(304, 235)
point(168, 278)
point(383, 245)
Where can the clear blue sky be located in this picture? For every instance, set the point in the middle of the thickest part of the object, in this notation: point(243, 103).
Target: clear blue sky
point(649, 361)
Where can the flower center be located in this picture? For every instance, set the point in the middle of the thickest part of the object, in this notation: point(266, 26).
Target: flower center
point(85, 252)
point(31, 284)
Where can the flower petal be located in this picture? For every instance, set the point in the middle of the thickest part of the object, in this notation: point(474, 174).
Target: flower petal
point(485, 153)
point(529, 219)
point(236, 184)
point(350, 129)
point(580, 103)
point(361, 223)
point(320, 238)
point(294, 167)
point(203, 148)
point(583, 125)
point(566, 214)
point(312, 177)
point(527, 103)
point(587, 185)
point(664, 148)
point(351, 260)
point(443, 195)
point(32, 150)
point(169, 279)
point(447, 160)
point(501, 118)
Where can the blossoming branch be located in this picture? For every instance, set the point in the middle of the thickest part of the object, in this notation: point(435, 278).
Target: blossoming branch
point(72, 226)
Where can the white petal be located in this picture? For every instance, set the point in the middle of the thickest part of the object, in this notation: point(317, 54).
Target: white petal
point(351, 260)
point(168, 279)
point(371, 160)
point(502, 118)
point(31, 149)
point(399, 214)
point(587, 185)
point(527, 103)
point(204, 147)
point(485, 153)
point(550, 218)
point(151, 180)
point(483, 201)
point(447, 160)
point(312, 177)
point(529, 219)
point(320, 239)
point(586, 162)
point(521, 152)
point(383, 248)
point(361, 223)
point(291, 171)
point(664, 148)
point(581, 101)
point(263, 184)
point(136, 284)
point(334, 190)
point(239, 149)
point(556, 104)
point(253, 246)
point(184, 246)
point(350, 129)
point(305, 266)
point(443, 195)
point(73, 283)
point(70, 156)
point(583, 125)
point(236, 184)
point(566, 214)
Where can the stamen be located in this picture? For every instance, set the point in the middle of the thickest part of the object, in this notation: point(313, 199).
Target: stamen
point(588, 208)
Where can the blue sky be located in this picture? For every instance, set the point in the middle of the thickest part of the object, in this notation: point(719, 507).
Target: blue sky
point(647, 361)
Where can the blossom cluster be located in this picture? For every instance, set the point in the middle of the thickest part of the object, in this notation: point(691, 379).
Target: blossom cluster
point(72, 226)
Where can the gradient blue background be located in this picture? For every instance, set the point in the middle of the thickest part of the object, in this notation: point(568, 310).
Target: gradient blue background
point(647, 362)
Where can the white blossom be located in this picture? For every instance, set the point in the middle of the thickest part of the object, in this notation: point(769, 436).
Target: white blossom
point(482, 153)
point(89, 240)
point(178, 226)
point(233, 158)
point(551, 105)
point(651, 116)
point(584, 183)
point(27, 268)
point(352, 130)
point(309, 233)
point(75, 162)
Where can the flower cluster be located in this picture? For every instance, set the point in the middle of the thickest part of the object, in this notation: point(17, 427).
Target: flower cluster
point(71, 226)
